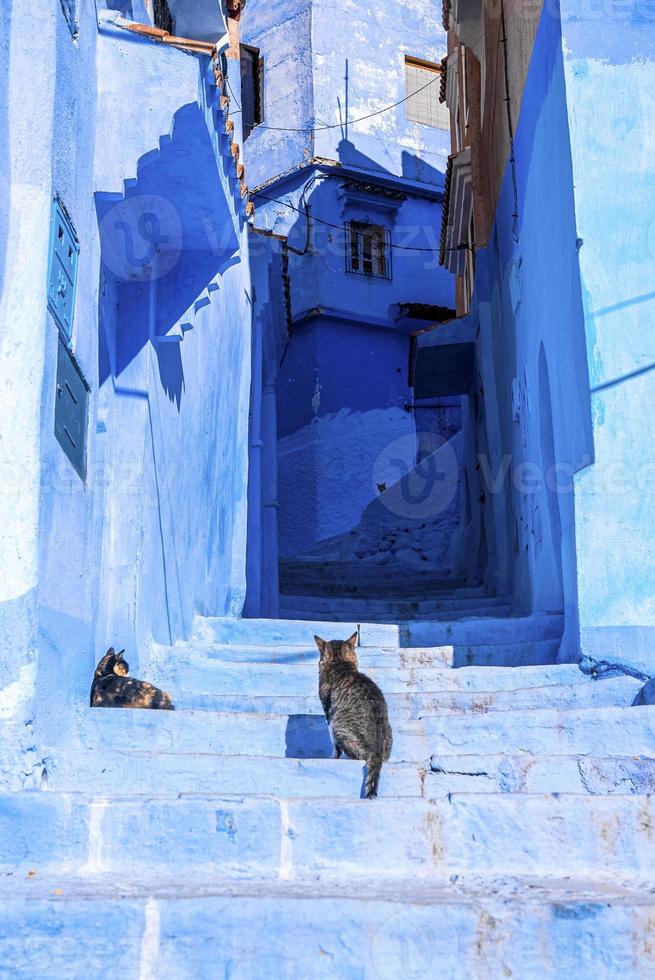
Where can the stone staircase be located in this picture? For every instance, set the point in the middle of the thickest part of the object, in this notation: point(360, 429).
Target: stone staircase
point(514, 834)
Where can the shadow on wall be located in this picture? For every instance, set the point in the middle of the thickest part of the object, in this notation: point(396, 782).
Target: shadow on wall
point(413, 166)
point(352, 157)
point(5, 37)
point(554, 597)
point(343, 385)
point(164, 240)
point(413, 521)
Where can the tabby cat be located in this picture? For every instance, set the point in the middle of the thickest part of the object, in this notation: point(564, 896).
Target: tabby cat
point(355, 709)
point(112, 688)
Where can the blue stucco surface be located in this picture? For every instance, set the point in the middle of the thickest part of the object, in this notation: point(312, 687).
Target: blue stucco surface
point(248, 400)
point(158, 532)
point(343, 382)
point(615, 202)
point(531, 329)
point(565, 346)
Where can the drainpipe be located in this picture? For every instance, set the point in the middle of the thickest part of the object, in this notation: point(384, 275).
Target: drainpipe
point(253, 604)
point(270, 570)
point(250, 393)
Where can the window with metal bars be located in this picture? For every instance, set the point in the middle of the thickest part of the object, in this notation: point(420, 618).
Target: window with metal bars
point(252, 88)
point(422, 80)
point(368, 250)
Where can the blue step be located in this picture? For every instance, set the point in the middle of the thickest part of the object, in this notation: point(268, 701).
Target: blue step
point(189, 675)
point(178, 773)
point(414, 634)
point(607, 731)
point(408, 705)
point(371, 608)
point(534, 653)
point(267, 838)
point(528, 773)
point(394, 615)
point(79, 928)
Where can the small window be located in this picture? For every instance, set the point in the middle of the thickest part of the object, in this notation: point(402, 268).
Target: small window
point(368, 250)
point(252, 89)
point(422, 79)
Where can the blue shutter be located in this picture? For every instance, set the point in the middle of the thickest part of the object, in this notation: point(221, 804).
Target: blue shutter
point(71, 409)
point(62, 270)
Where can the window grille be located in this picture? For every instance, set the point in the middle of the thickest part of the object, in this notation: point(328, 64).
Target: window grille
point(252, 89)
point(368, 250)
point(422, 81)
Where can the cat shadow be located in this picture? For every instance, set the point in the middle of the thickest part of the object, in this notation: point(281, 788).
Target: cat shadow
point(308, 737)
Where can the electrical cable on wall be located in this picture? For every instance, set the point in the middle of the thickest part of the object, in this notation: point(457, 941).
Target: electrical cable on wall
point(404, 248)
point(348, 122)
point(510, 126)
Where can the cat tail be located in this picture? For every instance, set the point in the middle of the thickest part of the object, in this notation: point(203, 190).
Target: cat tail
point(373, 770)
point(164, 701)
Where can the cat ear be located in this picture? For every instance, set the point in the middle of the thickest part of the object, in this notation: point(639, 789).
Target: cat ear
point(352, 640)
point(119, 655)
point(110, 652)
point(321, 644)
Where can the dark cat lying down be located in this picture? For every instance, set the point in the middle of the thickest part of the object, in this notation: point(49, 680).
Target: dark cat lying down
point(112, 688)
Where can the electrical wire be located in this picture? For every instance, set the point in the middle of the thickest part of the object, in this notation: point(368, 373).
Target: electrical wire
point(321, 221)
point(329, 224)
point(510, 126)
point(348, 122)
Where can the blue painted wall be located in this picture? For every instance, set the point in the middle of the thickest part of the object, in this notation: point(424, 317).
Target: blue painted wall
point(533, 401)
point(308, 46)
point(609, 68)
point(283, 33)
point(162, 334)
point(565, 347)
point(39, 160)
point(343, 383)
point(5, 29)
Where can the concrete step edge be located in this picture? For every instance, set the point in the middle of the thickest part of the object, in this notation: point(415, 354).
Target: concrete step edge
point(63, 886)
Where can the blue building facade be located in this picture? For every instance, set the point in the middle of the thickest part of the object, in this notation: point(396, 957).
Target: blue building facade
point(339, 165)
